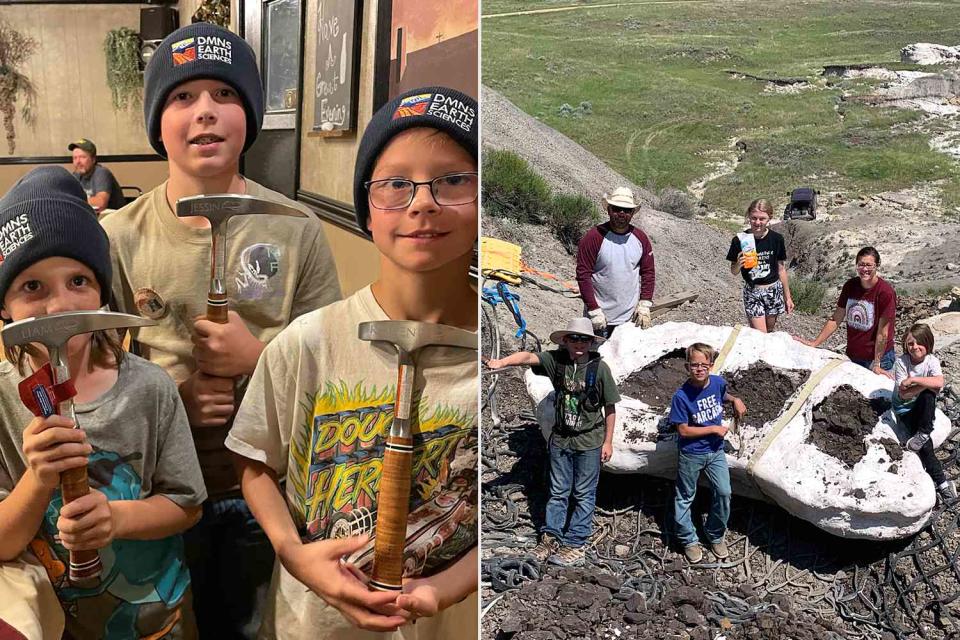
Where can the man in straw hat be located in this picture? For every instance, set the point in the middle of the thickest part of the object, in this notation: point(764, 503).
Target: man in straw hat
point(582, 437)
point(615, 270)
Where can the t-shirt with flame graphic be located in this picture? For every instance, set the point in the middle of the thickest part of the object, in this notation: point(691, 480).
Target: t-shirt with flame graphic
point(318, 410)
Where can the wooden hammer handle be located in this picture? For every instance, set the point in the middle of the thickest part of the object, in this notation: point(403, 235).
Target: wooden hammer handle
point(85, 566)
point(217, 308)
point(393, 502)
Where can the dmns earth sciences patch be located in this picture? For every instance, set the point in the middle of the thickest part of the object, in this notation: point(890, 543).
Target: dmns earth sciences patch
point(13, 234)
point(209, 48)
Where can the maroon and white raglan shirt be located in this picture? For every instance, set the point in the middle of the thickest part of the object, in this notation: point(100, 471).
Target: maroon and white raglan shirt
point(615, 271)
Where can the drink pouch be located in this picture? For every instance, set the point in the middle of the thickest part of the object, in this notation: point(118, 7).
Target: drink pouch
point(748, 245)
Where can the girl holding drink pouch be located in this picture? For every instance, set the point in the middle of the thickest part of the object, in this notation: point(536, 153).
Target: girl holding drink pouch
point(759, 254)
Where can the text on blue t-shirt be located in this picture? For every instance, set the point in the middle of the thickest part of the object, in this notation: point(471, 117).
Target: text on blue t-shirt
point(699, 407)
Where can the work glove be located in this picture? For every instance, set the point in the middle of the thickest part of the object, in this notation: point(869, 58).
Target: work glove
point(641, 316)
point(598, 319)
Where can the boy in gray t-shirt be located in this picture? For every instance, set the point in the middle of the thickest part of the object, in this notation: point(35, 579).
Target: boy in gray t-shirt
point(133, 437)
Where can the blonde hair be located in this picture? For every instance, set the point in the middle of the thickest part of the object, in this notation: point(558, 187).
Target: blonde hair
point(760, 204)
point(703, 349)
point(106, 351)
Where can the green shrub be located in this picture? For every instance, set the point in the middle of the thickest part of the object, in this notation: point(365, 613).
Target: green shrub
point(570, 217)
point(512, 190)
point(807, 294)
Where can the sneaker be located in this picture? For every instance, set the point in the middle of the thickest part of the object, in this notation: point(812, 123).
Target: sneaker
point(693, 553)
point(720, 550)
point(917, 441)
point(569, 556)
point(947, 490)
point(549, 544)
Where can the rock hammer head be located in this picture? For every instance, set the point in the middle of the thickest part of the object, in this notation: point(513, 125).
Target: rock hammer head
point(219, 208)
point(408, 336)
point(54, 330)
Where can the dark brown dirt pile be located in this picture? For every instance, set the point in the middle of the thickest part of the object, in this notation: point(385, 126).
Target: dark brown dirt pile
point(764, 389)
point(842, 421)
point(579, 603)
point(655, 383)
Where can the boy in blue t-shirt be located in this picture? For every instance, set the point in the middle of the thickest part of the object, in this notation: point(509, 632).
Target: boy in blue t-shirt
point(697, 410)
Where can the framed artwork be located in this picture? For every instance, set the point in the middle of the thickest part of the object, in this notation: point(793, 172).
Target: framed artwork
point(425, 42)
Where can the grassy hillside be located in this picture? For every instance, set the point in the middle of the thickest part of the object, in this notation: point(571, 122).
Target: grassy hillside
point(662, 109)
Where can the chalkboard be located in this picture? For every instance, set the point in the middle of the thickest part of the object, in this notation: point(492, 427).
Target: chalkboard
point(337, 71)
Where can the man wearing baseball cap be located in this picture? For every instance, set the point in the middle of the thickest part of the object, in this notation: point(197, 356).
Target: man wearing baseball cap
point(103, 190)
point(615, 269)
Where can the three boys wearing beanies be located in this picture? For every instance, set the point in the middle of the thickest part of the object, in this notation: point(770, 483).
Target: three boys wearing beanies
point(416, 186)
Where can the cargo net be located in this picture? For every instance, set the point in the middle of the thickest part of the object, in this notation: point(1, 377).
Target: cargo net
point(784, 578)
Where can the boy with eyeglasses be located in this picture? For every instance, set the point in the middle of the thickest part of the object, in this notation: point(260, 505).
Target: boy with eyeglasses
point(582, 438)
point(320, 404)
point(697, 412)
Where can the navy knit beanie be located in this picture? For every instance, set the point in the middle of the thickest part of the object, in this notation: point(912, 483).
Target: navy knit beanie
point(447, 110)
point(202, 51)
point(45, 215)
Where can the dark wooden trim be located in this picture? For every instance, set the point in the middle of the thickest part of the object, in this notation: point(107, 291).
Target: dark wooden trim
point(298, 121)
point(333, 211)
point(135, 157)
point(381, 54)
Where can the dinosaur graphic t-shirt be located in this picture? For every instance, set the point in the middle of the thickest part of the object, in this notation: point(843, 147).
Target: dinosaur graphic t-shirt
point(318, 410)
point(141, 448)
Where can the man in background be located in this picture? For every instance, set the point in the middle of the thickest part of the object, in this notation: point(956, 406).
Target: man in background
point(103, 190)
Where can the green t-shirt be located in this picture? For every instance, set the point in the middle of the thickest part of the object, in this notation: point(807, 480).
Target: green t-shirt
point(589, 430)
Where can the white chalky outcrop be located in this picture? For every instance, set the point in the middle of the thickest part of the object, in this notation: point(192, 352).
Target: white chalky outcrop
point(875, 499)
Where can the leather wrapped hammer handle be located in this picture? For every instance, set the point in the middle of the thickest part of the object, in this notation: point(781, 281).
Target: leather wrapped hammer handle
point(85, 566)
point(217, 308)
point(393, 496)
point(392, 505)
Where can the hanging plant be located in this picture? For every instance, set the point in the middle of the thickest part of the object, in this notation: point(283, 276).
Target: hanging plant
point(122, 49)
point(15, 49)
point(214, 11)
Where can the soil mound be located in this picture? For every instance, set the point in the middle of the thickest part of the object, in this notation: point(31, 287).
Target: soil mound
point(764, 389)
point(842, 421)
point(656, 383)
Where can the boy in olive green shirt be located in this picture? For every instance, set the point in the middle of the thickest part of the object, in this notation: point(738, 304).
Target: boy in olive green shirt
point(582, 437)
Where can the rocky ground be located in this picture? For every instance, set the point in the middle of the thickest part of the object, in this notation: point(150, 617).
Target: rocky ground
point(785, 578)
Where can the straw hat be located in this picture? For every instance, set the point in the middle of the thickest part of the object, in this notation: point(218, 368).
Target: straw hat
point(576, 326)
point(621, 197)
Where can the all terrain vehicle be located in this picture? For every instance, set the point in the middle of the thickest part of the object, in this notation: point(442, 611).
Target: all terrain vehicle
point(803, 204)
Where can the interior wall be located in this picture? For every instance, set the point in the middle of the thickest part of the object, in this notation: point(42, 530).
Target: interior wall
point(68, 70)
point(326, 163)
point(145, 175)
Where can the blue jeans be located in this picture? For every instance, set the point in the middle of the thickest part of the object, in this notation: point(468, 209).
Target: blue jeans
point(572, 473)
point(689, 466)
point(231, 561)
point(886, 362)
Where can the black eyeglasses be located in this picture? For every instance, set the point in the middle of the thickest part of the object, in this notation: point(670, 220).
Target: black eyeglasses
point(397, 193)
point(579, 338)
point(615, 209)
